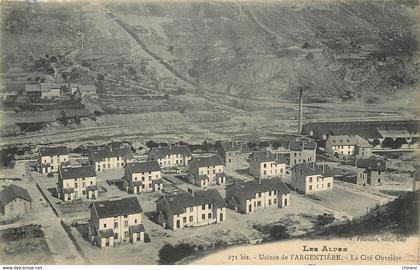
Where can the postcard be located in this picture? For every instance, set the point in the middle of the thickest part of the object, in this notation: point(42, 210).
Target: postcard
point(209, 132)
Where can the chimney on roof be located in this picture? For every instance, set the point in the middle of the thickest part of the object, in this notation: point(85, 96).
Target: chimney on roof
point(313, 165)
point(323, 167)
point(191, 191)
point(300, 121)
point(259, 180)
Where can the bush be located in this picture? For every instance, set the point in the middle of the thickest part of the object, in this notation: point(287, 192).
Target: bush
point(279, 232)
point(388, 143)
point(325, 219)
point(170, 254)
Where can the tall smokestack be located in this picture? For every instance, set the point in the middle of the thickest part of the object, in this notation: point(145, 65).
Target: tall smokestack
point(300, 123)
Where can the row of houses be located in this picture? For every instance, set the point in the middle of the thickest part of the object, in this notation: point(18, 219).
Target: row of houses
point(50, 90)
point(409, 130)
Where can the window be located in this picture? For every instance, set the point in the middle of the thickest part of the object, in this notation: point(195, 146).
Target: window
point(258, 204)
point(104, 225)
point(269, 193)
point(203, 207)
point(269, 202)
point(329, 185)
point(115, 235)
point(209, 205)
point(125, 216)
point(310, 179)
point(379, 172)
point(310, 187)
point(221, 216)
point(191, 209)
point(83, 184)
point(191, 218)
point(125, 223)
point(264, 172)
point(125, 234)
point(265, 165)
point(209, 215)
point(135, 221)
point(184, 219)
point(203, 216)
point(75, 185)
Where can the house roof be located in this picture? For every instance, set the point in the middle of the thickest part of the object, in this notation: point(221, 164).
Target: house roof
point(372, 163)
point(76, 172)
point(235, 147)
point(142, 167)
point(12, 192)
point(348, 140)
point(314, 169)
point(106, 233)
point(394, 133)
point(87, 88)
point(210, 161)
point(267, 156)
point(299, 145)
point(136, 228)
point(157, 181)
point(101, 154)
point(46, 87)
point(365, 129)
point(247, 189)
point(92, 188)
point(32, 88)
point(179, 202)
point(160, 152)
point(125, 206)
point(53, 151)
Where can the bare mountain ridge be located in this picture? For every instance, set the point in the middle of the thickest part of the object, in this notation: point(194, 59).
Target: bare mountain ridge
point(341, 49)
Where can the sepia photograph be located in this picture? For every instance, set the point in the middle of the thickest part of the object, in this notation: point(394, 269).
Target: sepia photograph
point(199, 132)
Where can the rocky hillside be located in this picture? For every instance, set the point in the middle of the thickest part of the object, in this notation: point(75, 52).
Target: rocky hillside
point(345, 49)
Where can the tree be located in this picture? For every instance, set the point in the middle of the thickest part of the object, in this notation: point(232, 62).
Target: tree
point(170, 254)
point(399, 142)
point(279, 232)
point(325, 219)
point(375, 142)
point(388, 143)
point(276, 145)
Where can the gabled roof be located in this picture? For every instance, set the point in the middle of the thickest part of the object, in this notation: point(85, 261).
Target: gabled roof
point(32, 88)
point(372, 163)
point(247, 189)
point(136, 228)
point(46, 87)
point(348, 140)
point(394, 133)
point(12, 192)
point(235, 147)
point(125, 206)
point(101, 154)
point(76, 172)
point(160, 152)
point(210, 161)
point(314, 169)
point(143, 167)
point(179, 202)
point(299, 145)
point(267, 156)
point(365, 129)
point(53, 151)
point(106, 233)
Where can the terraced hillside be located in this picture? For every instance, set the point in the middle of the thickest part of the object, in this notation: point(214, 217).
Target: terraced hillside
point(344, 49)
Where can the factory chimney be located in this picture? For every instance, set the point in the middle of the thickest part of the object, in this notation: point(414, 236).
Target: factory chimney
point(300, 123)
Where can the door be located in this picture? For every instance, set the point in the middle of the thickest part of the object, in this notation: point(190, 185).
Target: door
point(178, 224)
